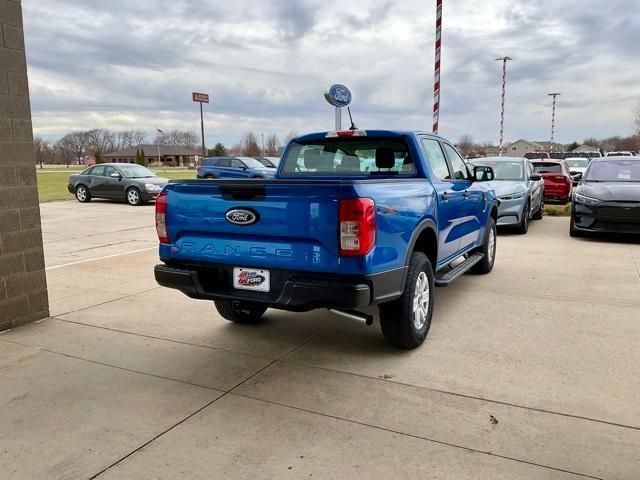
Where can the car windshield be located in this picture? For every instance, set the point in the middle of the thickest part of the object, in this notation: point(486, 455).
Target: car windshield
point(131, 170)
point(577, 162)
point(349, 156)
point(505, 170)
point(252, 163)
point(547, 167)
point(265, 162)
point(614, 171)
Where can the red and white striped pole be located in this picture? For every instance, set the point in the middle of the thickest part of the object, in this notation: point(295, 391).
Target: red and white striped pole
point(436, 81)
point(504, 89)
point(553, 118)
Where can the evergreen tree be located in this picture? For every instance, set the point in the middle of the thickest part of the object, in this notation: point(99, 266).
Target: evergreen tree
point(98, 157)
point(218, 150)
point(142, 161)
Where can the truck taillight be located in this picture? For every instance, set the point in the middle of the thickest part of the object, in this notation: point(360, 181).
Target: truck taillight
point(357, 226)
point(161, 218)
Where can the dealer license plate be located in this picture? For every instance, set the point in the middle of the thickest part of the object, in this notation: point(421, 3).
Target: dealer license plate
point(251, 279)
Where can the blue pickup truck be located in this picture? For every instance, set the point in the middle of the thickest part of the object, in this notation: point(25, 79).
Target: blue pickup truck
point(354, 219)
point(233, 167)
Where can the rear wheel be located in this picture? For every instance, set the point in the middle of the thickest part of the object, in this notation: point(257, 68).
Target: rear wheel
point(82, 194)
point(488, 249)
point(405, 322)
point(244, 312)
point(209, 177)
point(524, 223)
point(134, 197)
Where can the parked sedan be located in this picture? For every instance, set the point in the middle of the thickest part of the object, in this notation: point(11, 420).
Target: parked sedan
point(608, 197)
point(518, 187)
point(129, 182)
point(557, 180)
point(233, 167)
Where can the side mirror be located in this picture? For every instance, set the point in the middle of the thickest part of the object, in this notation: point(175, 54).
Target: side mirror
point(116, 175)
point(535, 177)
point(483, 174)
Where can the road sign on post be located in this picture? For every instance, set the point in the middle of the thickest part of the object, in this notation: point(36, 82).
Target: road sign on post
point(201, 98)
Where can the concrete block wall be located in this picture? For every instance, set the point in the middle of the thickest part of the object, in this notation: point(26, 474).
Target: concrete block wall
point(23, 284)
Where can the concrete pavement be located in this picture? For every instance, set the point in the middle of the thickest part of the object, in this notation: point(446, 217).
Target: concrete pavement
point(530, 372)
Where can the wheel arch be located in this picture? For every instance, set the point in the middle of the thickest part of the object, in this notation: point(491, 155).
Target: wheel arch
point(425, 240)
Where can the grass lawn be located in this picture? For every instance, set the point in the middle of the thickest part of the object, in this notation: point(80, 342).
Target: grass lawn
point(52, 185)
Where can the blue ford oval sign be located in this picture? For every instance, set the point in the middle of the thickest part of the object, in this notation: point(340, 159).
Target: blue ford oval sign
point(338, 95)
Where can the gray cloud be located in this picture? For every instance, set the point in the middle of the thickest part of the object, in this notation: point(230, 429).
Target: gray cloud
point(122, 64)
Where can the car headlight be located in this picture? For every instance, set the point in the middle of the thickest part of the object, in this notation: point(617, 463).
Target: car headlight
point(512, 196)
point(152, 187)
point(586, 200)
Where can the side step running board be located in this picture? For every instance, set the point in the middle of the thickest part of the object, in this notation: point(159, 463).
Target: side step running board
point(449, 276)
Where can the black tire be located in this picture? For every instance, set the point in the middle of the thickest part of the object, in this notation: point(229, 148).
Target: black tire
point(134, 197)
point(248, 312)
point(209, 177)
point(539, 214)
point(564, 201)
point(257, 177)
point(83, 194)
point(486, 264)
point(524, 223)
point(397, 317)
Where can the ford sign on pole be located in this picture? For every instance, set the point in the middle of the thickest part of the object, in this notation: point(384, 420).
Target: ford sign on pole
point(339, 96)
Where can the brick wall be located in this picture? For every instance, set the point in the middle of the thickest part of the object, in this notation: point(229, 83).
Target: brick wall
point(23, 286)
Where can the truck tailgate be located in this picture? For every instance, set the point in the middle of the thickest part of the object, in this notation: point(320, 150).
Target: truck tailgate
point(296, 223)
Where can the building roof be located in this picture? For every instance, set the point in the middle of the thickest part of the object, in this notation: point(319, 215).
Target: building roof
point(585, 148)
point(532, 144)
point(151, 150)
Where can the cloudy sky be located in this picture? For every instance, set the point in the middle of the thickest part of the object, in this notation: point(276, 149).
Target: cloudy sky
point(124, 64)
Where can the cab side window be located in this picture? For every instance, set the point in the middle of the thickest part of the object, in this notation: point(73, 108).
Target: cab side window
point(224, 162)
point(460, 171)
point(109, 170)
point(235, 163)
point(436, 158)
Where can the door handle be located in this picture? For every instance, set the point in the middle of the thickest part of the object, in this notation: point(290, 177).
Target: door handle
point(466, 194)
point(445, 196)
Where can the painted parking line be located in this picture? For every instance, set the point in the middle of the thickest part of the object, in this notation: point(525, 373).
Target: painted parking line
point(101, 258)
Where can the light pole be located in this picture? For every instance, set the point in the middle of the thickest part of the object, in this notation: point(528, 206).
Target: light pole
point(436, 76)
point(504, 61)
point(553, 118)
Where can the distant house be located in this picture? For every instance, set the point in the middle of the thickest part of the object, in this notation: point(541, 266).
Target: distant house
point(585, 149)
point(546, 146)
point(520, 147)
point(175, 156)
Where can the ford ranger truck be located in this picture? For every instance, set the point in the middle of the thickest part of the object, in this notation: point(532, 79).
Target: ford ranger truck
point(353, 219)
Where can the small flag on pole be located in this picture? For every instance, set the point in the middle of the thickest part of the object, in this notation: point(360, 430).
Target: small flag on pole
point(161, 132)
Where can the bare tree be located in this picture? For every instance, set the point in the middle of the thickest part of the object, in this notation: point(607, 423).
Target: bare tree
point(177, 138)
point(41, 149)
point(235, 150)
point(271, 145)
point(591, 142)
point(130, 138)
point(636, 119)
point(465, 145)
point(249, 145)
point(64, 150)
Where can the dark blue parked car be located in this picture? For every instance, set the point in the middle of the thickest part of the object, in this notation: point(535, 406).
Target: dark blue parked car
point(233, 167)
point(353, 219)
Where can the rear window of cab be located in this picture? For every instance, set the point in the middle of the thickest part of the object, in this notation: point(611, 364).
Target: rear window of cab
point(349, 156)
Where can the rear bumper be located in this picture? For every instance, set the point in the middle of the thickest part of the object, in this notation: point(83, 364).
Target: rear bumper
point(290, 290)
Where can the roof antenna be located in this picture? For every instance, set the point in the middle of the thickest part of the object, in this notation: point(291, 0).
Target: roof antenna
point(353, 125)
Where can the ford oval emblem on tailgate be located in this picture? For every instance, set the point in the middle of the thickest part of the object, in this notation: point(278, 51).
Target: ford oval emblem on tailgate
point(241, 216)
